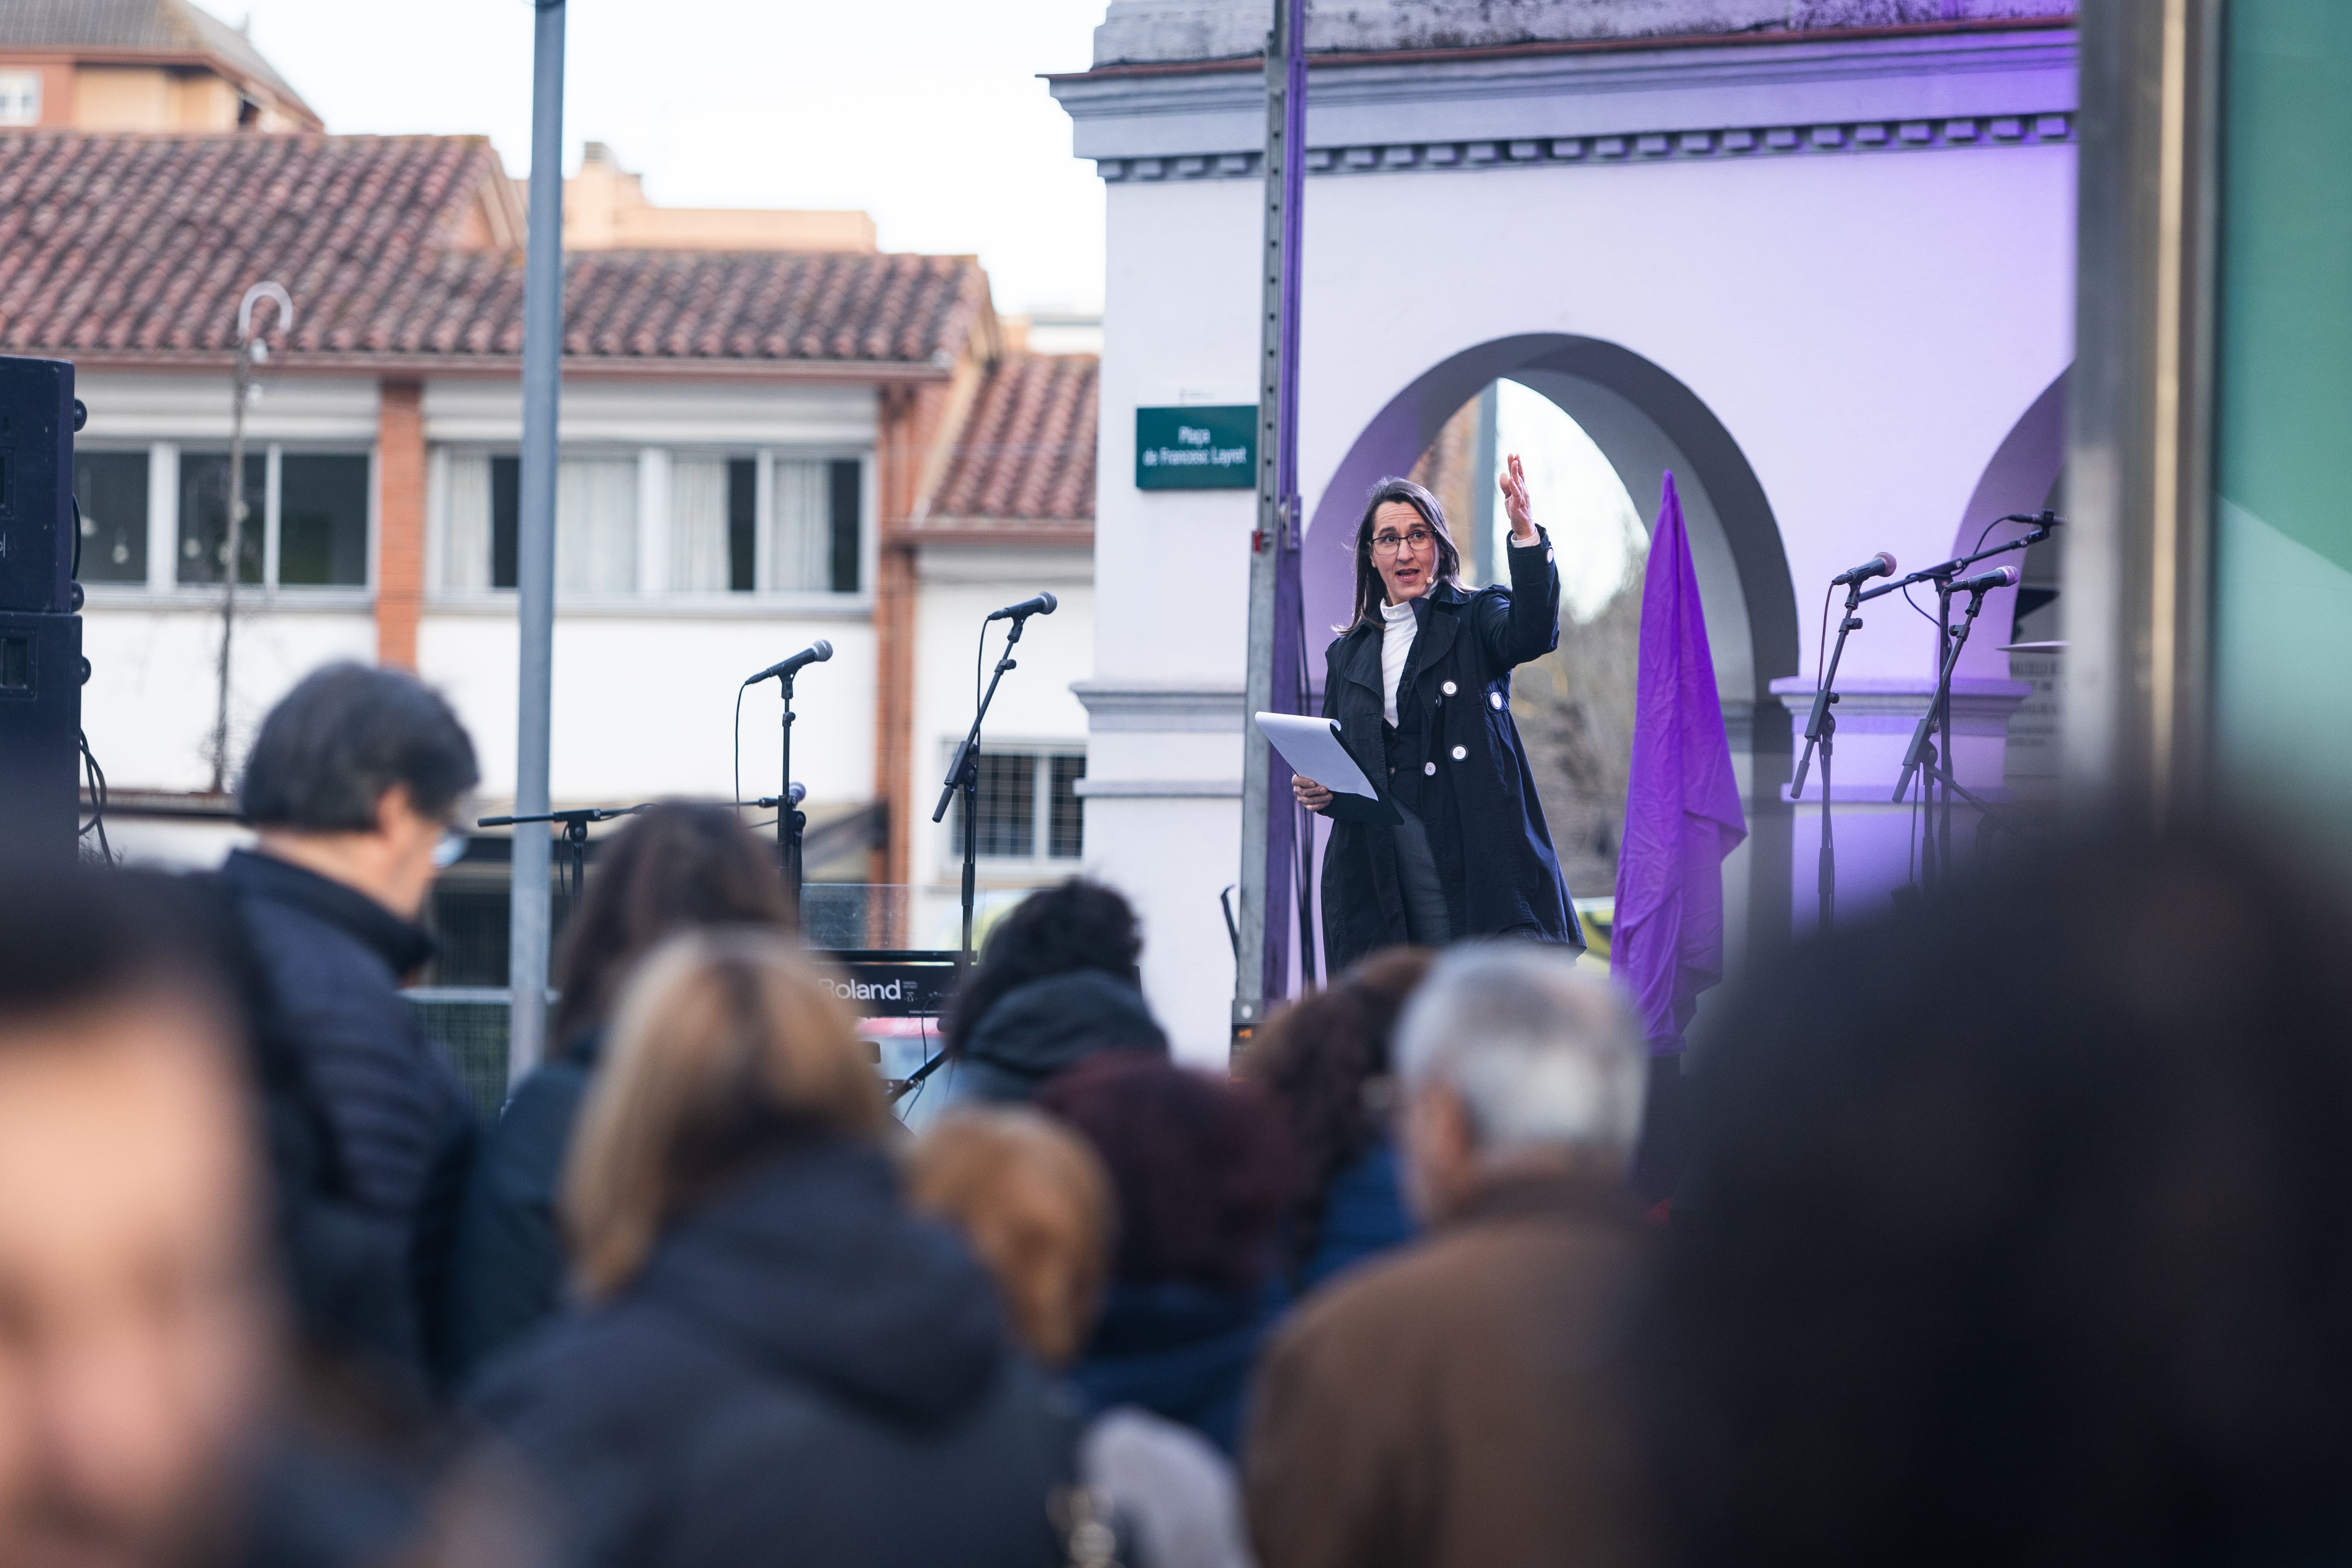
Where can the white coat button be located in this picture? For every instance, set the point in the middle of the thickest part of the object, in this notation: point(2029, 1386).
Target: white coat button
point(1460, 752)
point(1447, 688)
point(1429, 767)
point(1494, 700)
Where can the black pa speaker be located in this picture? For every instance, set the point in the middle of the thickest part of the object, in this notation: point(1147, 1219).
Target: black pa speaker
point(36, 533)
point(40, 732)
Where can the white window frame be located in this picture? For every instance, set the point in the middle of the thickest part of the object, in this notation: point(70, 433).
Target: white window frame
point(1042, 755)
point(19, 86)
point(164, 465)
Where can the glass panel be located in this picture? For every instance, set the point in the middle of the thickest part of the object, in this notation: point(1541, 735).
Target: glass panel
point(204, 517)
point(111, 489)
point(323, 519)
point(742, 525)
point(1008, 807)
point(1066, 815)
point(2283, 632)
point(596, 525)
point(465, 550)
point(801, 560)
point(698, 560)
point(842, 492)
point(506, 518)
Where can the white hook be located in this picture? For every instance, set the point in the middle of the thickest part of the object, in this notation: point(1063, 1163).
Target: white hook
point(276, 292)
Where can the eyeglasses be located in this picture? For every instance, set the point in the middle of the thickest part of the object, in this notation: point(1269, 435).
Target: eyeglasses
point(1385, 544)
point(450, 849)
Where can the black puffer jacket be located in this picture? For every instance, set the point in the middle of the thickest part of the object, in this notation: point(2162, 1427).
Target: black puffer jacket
point(1039, 1030)
point(402, 1124)
point(803, 1373)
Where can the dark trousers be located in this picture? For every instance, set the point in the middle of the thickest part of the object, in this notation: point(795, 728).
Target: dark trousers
point(1427, 923)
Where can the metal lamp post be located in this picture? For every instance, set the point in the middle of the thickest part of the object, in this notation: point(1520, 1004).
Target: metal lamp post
point(250, 351)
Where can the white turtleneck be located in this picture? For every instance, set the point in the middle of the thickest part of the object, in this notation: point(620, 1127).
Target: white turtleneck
point(1396, 645)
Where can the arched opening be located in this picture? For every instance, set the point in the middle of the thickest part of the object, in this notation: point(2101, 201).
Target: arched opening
point(1645, 423)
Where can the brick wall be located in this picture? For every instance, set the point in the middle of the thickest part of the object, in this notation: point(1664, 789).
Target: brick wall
point(400, 523)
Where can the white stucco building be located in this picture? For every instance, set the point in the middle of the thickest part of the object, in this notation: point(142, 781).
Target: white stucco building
point(1817, 261)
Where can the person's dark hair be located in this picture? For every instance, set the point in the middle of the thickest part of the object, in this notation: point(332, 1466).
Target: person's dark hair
point(1077, 924)
point(344, 735)
point(2016, 1229)
point(674, 866)
point(1324, 1058)
point(1202, 1167)
point(79, 936)
point(1371, 593)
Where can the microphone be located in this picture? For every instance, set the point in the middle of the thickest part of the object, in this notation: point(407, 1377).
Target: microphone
point(1043, 605)
point(817, 652)
point(1879, 566)
point(1986, 581)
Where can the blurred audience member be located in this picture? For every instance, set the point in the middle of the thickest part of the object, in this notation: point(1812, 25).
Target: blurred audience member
point(1327, 1059)
point(778, 1360)
point(1057, 981)
point(673, 867)
point(354, 786)
point(1036, 1205)
point(1458, 1403)
point(1203, 1169)
point(138, 1324)
point(2016, 1229)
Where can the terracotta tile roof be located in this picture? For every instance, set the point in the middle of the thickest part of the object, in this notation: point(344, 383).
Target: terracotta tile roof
point(136, 246)
point(1026, 453)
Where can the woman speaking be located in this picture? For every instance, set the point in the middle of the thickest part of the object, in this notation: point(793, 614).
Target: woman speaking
point(1421, 685)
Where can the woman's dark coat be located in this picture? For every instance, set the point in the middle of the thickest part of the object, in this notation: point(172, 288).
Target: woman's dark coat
point(507, 1275)
point(1478, 799)
point(803, 1373)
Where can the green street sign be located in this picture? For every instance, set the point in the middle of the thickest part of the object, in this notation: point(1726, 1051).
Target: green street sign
point(1196, 449)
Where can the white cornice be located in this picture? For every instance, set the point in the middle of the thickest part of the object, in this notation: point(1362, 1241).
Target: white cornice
point(1212, 124)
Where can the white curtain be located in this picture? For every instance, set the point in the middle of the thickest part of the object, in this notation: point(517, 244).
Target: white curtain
point(466, 552)
point(802, 559)
point(596, 525)
point(698, 525)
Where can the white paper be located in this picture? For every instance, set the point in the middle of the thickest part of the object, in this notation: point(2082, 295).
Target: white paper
point(1312, 748)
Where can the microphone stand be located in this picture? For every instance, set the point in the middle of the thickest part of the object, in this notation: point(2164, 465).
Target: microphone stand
point(789, 833)
point(1936, 857)
point(791, 822)
point(575, 833)
point(1937, 719)
point(963, 774)
point(1821, 729)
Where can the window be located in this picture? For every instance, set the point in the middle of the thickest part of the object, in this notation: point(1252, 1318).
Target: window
point(204, 517)
point(20, 97)
point(1028, 801)
point(322, 519)
point(724, 524)
point(110, 487)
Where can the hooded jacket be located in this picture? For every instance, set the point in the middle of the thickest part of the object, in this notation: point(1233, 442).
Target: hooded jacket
point(1049, 1025)
point(803, 1373)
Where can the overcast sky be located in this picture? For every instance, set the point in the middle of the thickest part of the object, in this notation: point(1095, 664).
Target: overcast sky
point(925, 113)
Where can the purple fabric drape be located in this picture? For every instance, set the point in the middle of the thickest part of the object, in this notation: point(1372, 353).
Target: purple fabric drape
point(1682, 802)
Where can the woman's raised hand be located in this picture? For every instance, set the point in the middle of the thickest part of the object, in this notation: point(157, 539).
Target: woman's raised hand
point(1513, 481)
point(1311, 795)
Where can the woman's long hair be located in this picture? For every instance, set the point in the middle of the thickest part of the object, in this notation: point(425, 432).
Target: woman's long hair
point(1328, 1059)
point(1371, 593)
point(729, 1049)
point(676, 865)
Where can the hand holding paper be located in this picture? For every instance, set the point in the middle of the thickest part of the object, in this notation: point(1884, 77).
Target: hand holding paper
point(1312, 748)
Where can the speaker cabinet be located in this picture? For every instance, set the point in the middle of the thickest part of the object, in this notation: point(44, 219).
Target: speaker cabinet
point(40, 732)
point(36, 533)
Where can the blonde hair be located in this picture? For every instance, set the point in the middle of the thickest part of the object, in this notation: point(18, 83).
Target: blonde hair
point(727, 1047)
point(1035, 1204)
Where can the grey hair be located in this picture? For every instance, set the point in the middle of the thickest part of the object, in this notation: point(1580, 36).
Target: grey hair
point(1543, 1057)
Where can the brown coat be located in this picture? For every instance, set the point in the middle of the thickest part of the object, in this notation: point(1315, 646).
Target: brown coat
point(1456, 1404)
